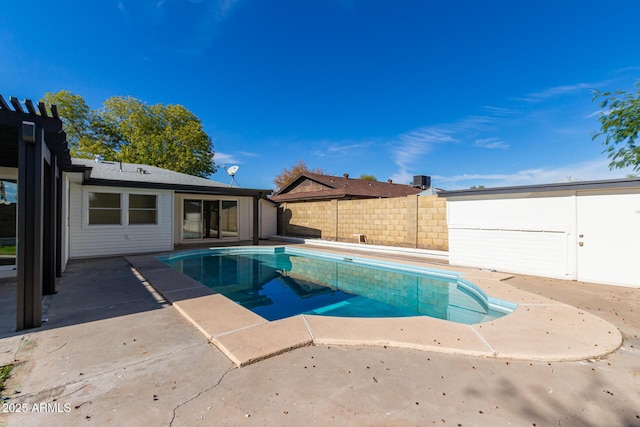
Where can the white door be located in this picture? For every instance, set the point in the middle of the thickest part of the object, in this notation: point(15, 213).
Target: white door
point(608, 238)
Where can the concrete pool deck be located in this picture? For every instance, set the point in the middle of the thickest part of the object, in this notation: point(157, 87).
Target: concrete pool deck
point(540, 329)
point(118, 354)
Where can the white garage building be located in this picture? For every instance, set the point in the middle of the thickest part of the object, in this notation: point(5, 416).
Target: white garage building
point(587, 231)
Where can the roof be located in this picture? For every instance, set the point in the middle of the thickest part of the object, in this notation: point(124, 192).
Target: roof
point(131, 172)
point(145, 176)
point(334, 187)
point(539, 188)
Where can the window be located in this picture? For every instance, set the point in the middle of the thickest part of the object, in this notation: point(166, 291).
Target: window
point(105, 208)
point(8, 221)
point(143, 209)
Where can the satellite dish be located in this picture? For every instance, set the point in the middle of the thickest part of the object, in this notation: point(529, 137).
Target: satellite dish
point(232, 170)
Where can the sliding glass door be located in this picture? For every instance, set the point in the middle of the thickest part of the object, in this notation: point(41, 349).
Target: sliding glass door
point(211, 216)
point(229, 218)
point(192, 220)
point(209, 219)
point(8, 224)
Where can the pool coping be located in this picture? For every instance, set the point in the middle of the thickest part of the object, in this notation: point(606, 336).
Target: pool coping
point(538, 329)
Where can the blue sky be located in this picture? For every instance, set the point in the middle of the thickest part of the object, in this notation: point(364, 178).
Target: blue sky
point(469, 92)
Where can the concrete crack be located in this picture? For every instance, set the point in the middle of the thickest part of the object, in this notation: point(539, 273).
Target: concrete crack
point(571, 417)
point(57, 348)
point(69, 394)
point(23, 340)
point(173, 416)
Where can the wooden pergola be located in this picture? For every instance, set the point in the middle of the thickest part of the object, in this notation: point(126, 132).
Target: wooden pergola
point(33, 141)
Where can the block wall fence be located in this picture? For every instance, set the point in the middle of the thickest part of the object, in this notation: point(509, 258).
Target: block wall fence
point(412, 221)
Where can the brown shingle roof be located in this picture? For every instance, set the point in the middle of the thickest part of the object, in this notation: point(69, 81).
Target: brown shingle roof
point(340, 188)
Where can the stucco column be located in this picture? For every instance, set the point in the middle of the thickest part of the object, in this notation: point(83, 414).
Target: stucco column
point(333, 220)
point(411, 224)
point(256, 220)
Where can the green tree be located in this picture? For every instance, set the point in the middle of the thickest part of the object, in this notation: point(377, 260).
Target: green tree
point(78, 121)
point(129, 130)
point(620, 125)
point(288, 175)
point(368, 177)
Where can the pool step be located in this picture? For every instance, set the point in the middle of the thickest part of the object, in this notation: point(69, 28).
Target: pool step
point(329, 307)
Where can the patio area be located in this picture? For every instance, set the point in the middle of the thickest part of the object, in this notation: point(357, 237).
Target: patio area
point(117, 352)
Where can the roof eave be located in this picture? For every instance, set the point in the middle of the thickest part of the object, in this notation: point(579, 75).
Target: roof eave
point(298, 179)
point(182, 188)
point(303, 198)
point(539, 188)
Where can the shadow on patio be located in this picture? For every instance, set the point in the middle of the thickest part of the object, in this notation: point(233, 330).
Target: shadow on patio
point(91, 289)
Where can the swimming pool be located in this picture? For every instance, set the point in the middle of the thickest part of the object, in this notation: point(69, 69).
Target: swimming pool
point(280, 282)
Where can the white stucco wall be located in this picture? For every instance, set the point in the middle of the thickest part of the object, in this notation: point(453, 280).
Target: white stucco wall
point(608, 229)
point(99, 240)
point(591, 236)
point(526, 234)
point(268, 219)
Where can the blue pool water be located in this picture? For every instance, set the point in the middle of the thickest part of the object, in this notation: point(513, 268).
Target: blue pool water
point(281, 282)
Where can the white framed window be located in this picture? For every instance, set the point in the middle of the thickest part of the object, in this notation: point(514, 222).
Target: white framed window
point(105, 208)
point(143, 209)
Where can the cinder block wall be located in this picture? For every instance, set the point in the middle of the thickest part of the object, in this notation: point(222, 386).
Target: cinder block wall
point(432, 223)
point(412, 221)
point(309, 219)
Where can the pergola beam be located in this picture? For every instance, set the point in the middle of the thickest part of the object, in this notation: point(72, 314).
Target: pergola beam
point(43, 109)
point(3, 104)
point(30, 107)
point(16, 105)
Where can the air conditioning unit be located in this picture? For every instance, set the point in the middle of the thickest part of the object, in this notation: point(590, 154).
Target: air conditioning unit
point(422, 181)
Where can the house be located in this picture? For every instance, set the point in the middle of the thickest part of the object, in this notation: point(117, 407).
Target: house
point(346, 209)
point(122, 208)
point(54, 208)
point(313, 186)
point(581, 230)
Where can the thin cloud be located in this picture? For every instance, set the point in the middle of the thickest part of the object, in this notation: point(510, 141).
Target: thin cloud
point(596, 114)
point(627, 69)
point(337, 148)
point(499, 111)
point(344, 148)
point(412, 145)
point(401, 177)
point(491, 143)
point(584, 171)
point(233, 158)
point(248, 154)
point(225, 158)
point(475, 123)
point(556, 91)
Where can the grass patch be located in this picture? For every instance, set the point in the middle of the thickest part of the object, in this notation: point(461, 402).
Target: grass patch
point(8, 250)
point(5, 371)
